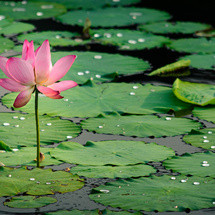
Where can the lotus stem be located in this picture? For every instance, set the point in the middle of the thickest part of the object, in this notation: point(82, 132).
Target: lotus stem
point(37, 127)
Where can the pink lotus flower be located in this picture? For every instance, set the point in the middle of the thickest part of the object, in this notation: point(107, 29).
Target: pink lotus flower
point(35, 70)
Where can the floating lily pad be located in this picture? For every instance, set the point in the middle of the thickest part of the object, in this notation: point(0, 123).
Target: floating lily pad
point(128, 39)
point(201, 61)
point(111, 152)
point(101, 66)
point(194, 45)
point(16, 28)
point(171, 68)
point(90, 100)
point(19, 129)
point(157, 193)
point(94, 212)
point(113, 171)
point(140, 126)
point(92, 4)
point(199, 164)
point(29, 201)
point(56, 38)
point(174, 27)
point(206, 113)
point(30, 10)
point(204, 138)
point(26, 156)
point(37, 181)
point(105, 18)
point(194, 93)
point(6, 44)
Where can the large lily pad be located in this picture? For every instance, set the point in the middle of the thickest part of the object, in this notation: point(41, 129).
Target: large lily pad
point(113, 171)
point(174, 27)
point(92, 4)
point(199, 164)
point(194, 93)
point(201, 61)
point(101, 66)
point(56, 38)
point(37, 181)
point(157, 193)
point(204, 138)
point(29, 201)
point(171, 68)
point(194, 45)
point(206, 113)
point(16, 28)
point(111, 152)
point(121, 17)
point(91, 100)
point(140, 126)
point(6, 44)
point(30, 10)
point(128, 39)
point(26, 156)
point(19, 129)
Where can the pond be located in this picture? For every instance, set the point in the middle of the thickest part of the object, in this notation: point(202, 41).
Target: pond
point(137, 135)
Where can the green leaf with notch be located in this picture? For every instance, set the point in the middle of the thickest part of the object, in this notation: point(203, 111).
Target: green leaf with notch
point(206, 113)
point(110, 17)
point(111, 152)
point(157, 193)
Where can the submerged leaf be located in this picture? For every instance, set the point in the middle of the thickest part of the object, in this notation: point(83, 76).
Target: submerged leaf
point(29, 201)
point(171, 68)
point(194, 93)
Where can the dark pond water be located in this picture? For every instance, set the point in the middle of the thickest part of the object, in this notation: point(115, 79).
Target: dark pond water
point(181, 11)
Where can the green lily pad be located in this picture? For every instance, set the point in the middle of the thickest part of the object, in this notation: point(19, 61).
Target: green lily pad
point(206, 113)
point(92, 4)
point(128, 39)
point(171, 68)
point(90, 100)
point(26, 156)
point(105, 18)
point(113, 171)
point(140, 126)
point(204, 138)
point(194, 45)
point(30, 10)
point(19, 129)
point(29, 202)
point(157, 193)
point(194, 93)
point(37, 181)
point(201, 61)
point(6, 44)
point(56, 38)
point(94, 212)
point(16, 28)
point(174, 27)
point(4, 22)
point(101, 66)
point(198, 164)
point(4, 147)
point(111, 152)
